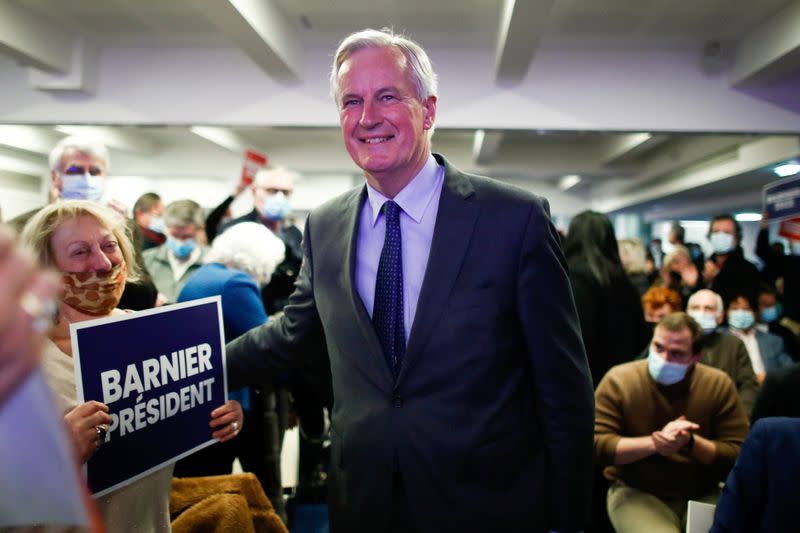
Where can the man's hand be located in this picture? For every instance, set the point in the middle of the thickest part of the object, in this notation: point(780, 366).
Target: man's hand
point(673, 436)
point(710, 271)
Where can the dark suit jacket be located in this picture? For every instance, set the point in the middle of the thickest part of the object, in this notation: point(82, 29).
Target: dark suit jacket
point(759, 494)
point(490, 422)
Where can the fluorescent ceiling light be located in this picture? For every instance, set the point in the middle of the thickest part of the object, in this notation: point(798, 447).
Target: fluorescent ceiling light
point(748, 217)
point(221, 137)
point(568, 181)
point(789, 169)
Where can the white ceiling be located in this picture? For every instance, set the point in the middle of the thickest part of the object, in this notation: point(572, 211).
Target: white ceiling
point(754, 45)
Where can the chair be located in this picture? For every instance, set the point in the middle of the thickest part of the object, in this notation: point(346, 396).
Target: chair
point(699, 517)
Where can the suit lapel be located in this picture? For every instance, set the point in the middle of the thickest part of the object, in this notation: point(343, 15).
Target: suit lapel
point(374, 350)
point(451, 237)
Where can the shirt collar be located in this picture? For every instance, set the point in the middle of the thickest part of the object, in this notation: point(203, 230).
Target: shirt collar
point(415, 196)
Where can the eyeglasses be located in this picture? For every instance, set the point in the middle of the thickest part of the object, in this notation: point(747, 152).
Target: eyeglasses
point(75, 170)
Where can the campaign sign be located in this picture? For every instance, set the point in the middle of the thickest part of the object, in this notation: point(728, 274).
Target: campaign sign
point(782, 198)
point(161, 372)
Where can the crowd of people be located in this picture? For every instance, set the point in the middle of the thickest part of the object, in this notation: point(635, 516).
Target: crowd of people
point(652, 432)
point(474, 383)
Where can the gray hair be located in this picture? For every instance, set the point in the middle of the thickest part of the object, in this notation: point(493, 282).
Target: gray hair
point(184, 212)
point(83, 145)
point(249, 247)
point(422, 73)
point(717, 297)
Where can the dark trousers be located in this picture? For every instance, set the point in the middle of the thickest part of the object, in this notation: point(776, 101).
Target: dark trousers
point(400, 520)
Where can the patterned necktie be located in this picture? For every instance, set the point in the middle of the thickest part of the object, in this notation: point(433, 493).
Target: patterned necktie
point(387, 314)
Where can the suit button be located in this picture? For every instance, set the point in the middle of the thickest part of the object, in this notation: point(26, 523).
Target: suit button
point(397, 401)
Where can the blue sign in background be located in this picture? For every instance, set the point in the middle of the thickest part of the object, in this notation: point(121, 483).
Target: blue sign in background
point(140, 336)
point(782, 198)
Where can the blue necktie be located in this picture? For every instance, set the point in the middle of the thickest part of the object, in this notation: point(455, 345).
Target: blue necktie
point(387, 314)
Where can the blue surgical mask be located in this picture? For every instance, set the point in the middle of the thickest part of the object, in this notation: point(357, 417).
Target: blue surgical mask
point(157, 225)
point(181, 249)
point(82, 187)
point(721, 242)
point(707, 321)
point(663, 371)
point(276, 206)
point(770, 314)
point(741, 318)
point(795, 247)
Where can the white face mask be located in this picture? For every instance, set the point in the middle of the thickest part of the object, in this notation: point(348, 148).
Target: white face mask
point(663, 371)
point(157, 225)
point(721, 242)
point(707, 321)
point(276, 206)
point(82, 187)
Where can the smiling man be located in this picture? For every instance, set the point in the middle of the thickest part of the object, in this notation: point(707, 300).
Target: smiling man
point(463, 400)
point(668, 427)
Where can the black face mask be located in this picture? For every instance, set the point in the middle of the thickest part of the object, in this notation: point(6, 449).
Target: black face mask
point(650, 327)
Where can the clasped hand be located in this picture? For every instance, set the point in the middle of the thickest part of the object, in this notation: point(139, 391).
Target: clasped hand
point(674, 436)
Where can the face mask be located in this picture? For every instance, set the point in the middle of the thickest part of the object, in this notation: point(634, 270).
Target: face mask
point(707, 321)
point(741, 318)
point(721, 242)
point(770, 314)
point(276, 206)
point(82, 187)
point(157, 225)
point(181, 249)
point(663, 371)
point(94, 293)
point(795, 247)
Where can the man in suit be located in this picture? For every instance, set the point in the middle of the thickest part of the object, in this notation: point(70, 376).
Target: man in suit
point(721, 349)
point(759, 494)
point(467, 406)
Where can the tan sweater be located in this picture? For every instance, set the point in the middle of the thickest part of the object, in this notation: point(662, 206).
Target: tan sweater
point(629, 403)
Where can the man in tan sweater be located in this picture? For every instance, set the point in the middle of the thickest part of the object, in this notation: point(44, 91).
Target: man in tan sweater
point(669, 429)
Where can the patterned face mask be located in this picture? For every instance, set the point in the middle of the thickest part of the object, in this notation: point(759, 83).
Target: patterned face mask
point(94, 293)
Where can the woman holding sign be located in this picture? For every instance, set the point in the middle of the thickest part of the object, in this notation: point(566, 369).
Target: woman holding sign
point(89, 246)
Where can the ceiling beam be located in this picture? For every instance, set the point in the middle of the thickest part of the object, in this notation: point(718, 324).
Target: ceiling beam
point(223, 137)
point(485, 146)
point(34, 139)
point(125, 139)
point(770, 51)
point(522, 23)
point(748, 157)
point(261, 31)
point(625, 147)
point(33, 41)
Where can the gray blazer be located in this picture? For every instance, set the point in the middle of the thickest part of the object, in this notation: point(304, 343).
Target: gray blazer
point(490, 422)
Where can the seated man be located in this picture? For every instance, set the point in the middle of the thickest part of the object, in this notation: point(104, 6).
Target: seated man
point(721, 349)
point(769, 320)
point(668, 428)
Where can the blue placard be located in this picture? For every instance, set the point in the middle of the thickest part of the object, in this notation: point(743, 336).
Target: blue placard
point(161, 372)
point(782, 198)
